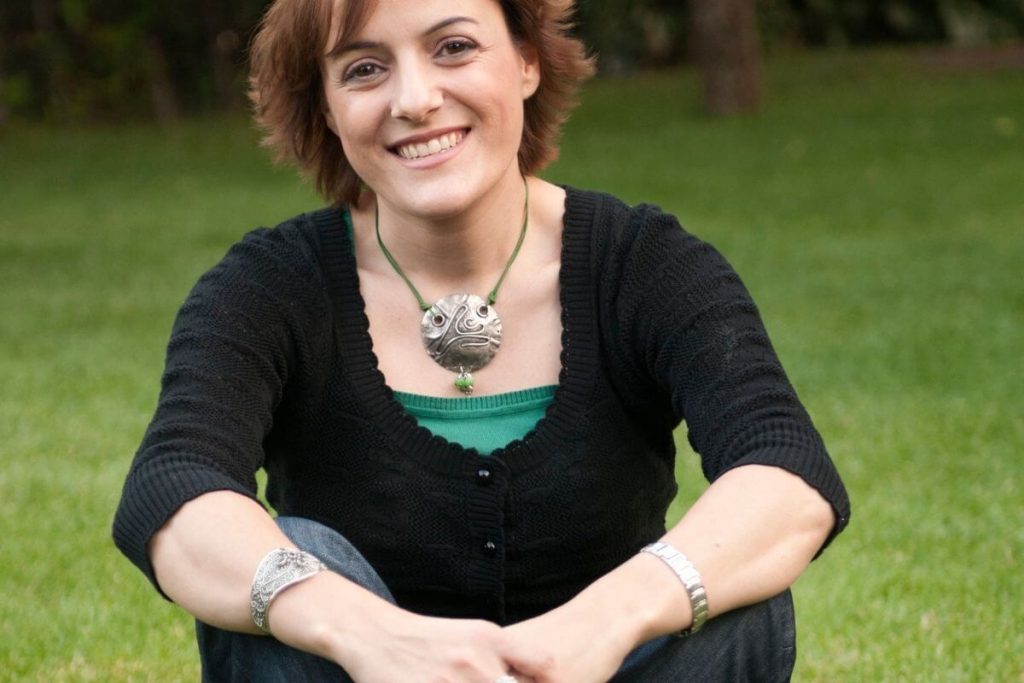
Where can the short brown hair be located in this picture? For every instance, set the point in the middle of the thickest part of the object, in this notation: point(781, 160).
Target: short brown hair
point(285, 83)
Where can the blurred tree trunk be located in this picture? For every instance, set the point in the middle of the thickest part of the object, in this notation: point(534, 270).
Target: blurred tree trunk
point(728, 52)
point(5, 39)
point(223, 43)
point(163, 96)
point(55, 58)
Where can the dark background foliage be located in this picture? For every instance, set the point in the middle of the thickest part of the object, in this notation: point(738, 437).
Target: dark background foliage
point(71, 60)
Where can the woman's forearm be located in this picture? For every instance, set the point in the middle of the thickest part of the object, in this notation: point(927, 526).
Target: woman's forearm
point(205, 558)
point(206, 554)
point(750, 535)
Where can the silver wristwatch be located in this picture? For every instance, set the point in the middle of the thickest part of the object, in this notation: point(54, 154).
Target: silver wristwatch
point(690, 578)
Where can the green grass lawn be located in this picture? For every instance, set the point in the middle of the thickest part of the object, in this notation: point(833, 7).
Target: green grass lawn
point(875, 209)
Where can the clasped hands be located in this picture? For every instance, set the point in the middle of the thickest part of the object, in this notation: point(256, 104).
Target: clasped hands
point(565, 645)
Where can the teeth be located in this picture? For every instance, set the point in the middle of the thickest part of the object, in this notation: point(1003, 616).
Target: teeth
point(423, 149)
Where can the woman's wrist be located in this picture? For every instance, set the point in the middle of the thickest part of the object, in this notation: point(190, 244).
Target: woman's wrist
point(646, 599)
point(688, 576)
point(331, 617)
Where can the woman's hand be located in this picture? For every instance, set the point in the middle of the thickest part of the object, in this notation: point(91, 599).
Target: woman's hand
point(431, 649)
point(575, 643)
point(388, 644)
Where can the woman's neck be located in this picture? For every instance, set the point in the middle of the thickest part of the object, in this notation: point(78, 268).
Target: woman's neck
point(466, 251)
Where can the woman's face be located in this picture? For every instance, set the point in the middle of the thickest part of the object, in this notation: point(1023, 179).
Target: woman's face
point(427, 99)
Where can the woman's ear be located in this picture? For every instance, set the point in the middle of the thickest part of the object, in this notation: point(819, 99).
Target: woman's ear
point(325, 109)
point(329, 120)
point(531, 69)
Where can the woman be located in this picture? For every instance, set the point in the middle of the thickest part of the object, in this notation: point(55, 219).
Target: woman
point(503, 536)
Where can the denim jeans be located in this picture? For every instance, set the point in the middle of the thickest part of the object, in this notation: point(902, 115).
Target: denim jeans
point(755, 643)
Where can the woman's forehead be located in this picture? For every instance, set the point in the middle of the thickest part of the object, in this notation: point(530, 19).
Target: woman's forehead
point(348, 17)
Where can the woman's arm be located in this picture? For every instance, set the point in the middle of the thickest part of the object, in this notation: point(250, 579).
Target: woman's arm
point(750, 535)
point(205, 558)
point(188, 515)
point(681, 327)
point(206, 555)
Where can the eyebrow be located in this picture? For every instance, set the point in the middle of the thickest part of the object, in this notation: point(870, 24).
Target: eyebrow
point(341, 48)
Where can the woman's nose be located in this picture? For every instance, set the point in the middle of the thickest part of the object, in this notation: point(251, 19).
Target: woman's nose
point(416, 95)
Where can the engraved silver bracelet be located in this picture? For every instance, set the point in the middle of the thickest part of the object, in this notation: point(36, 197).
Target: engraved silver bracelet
point(690, 578)
point(279, 569)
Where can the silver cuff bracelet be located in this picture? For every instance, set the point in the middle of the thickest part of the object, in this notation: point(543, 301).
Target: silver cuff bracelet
point(278, 570)
point(690, 578)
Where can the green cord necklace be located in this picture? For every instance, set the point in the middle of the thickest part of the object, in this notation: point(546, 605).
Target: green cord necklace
point(460, 331)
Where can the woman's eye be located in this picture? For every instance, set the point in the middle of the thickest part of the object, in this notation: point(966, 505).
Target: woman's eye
point(361, 72)
point(456, 47)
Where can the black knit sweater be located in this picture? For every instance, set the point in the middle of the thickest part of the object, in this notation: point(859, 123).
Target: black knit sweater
point(270, 364)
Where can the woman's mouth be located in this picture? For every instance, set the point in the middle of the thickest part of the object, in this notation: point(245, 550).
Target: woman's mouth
point(426, 148)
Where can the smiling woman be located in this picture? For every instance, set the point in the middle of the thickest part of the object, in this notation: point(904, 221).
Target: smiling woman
point(411, 81)
point(423, 532)
point(288, 95)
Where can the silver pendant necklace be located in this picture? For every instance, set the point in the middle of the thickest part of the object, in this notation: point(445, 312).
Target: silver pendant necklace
point(460, 331)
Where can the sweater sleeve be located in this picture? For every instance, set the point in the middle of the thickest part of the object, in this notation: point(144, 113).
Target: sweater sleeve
point(696, 332)
point(228, 360)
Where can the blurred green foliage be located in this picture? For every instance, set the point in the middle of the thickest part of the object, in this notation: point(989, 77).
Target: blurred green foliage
point(72, 60)
point(113, 59)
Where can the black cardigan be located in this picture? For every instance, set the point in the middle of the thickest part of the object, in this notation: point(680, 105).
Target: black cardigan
point(270, 364)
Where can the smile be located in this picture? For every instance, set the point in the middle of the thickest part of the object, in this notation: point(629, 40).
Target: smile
point(418, 150)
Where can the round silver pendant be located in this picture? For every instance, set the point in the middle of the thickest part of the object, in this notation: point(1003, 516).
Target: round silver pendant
point(461, 332)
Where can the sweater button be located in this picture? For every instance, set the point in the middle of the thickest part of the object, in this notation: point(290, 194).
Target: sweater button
point(483, 476)
point(490, 548)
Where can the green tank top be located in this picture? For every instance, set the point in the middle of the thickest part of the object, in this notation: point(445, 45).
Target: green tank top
point(485, 423)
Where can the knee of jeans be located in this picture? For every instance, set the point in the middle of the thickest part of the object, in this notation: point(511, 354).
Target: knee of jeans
point(307, 534)
point(788, 621)
point(785, 618)
point(335, 551)
point(777, 617)
point(773, 628)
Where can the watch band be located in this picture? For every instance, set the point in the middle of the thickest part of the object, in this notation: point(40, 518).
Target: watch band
point(689, 577)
